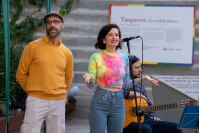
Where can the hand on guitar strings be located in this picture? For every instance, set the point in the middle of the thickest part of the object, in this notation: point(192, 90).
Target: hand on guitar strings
point(155, 118)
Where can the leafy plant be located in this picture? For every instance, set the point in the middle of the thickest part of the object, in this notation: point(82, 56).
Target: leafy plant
point(37, 2)
point(15, 89)
point(67, 8)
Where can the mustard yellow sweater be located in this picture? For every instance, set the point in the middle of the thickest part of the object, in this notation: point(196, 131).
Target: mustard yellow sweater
point(45, 70)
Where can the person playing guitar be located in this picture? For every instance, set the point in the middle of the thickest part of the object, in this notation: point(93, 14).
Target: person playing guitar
point(151, 123)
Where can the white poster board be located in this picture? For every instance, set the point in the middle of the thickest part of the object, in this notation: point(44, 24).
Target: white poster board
point(167, 32)
point(189, 85)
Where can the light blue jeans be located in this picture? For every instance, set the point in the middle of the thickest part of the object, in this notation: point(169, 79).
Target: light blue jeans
point(107, 109)
point(73, 91)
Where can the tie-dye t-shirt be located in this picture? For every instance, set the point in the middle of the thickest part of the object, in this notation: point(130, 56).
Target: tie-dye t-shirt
point(110, 70)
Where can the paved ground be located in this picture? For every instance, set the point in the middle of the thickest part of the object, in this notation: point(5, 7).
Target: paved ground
point(77, 126)
point(72, 126)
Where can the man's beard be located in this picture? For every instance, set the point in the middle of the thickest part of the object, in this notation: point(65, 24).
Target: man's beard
point(137, 76)
point(54, 35)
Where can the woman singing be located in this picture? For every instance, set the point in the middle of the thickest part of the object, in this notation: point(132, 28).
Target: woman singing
point(110, 70)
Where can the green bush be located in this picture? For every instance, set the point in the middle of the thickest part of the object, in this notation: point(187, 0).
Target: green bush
point(15, 90)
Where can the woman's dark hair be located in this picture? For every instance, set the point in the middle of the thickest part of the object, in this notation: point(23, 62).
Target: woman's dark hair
point(134, 59)
point(102, 33)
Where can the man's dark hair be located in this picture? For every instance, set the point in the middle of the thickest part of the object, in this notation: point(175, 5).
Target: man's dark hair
point(134, 59)
point(102, 33)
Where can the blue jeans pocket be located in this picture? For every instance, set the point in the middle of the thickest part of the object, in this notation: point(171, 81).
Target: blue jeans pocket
point(99, 98)
point(98, 95)
point(121, 96)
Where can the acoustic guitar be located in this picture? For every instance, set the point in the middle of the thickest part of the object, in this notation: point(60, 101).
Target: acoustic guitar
point(130, 110)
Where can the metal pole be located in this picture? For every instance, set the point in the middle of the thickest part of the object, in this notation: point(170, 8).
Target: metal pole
point(5, 7)
point(48, 11)
point(48, 6)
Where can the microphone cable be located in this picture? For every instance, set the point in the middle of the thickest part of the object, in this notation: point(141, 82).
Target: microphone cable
point(142, 71)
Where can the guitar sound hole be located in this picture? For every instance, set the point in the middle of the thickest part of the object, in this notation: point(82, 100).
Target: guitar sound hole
point(132, 111)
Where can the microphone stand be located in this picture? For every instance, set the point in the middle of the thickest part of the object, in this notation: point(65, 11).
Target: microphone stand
point(139, 112)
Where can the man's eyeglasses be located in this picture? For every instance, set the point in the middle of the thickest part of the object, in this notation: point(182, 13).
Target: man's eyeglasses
point(54, 21)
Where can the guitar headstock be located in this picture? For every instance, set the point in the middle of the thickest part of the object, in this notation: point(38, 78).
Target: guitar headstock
point(186, 102)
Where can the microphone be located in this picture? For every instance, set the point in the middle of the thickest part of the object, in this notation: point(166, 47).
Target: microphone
point(127, 39)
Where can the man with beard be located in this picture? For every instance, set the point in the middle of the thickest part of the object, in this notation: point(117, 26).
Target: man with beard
point(151, 124)
point(45, 71)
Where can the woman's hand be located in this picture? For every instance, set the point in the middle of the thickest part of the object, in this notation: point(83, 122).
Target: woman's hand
point(152, 80)
point(88, 78)
point(155, 118)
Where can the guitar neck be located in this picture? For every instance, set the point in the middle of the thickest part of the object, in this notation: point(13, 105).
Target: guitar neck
point(160, 107)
